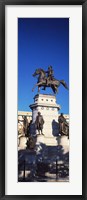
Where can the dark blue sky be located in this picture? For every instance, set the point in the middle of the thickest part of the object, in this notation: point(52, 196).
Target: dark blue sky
point(42, 42)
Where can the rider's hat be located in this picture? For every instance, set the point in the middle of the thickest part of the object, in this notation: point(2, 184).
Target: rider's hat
point(50, 67)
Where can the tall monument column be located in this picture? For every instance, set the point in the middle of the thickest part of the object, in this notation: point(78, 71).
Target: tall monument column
point(47, 106)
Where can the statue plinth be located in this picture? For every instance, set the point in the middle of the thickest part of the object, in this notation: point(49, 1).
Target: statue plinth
point(64, 142)
point(47, 106)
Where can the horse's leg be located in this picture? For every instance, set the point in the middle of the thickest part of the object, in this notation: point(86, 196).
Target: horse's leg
point(37, 84)
point(44, 88)
point(38, 88)
point(56, 90)
point(34, 87)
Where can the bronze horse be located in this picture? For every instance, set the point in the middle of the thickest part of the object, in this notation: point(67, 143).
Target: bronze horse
point(42, 81)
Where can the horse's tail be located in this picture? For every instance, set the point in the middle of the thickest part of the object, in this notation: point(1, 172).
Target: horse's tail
point(64, 84)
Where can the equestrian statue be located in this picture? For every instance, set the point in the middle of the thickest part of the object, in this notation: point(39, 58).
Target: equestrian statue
point(46, 79)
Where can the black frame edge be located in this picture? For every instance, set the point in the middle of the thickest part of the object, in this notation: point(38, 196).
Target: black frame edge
point(2, 100)
point(42, 2)
point(84, 98)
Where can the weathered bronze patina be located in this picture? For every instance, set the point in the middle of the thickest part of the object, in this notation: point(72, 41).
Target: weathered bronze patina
point(39, 123)
point(63, 126)
point(46, 79)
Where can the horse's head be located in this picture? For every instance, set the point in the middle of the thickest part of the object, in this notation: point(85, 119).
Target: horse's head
point(37, 71)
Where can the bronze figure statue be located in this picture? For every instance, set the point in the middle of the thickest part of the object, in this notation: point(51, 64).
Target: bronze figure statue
point(63, 126)
point(39, 123)
point(50, 73)
point(47, 80)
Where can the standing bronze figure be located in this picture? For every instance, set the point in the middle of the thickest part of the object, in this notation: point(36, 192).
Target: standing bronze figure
point(63, 126)
point(50, 73)
point(39, 123)
point(48, 80)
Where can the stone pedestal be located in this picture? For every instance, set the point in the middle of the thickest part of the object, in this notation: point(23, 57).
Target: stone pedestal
point(22, 142)
point(64, 142)
point(47, 106)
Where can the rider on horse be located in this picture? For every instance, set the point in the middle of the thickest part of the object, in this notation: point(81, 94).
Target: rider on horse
point(50, 73)
point(48, 81)
point(49, 76)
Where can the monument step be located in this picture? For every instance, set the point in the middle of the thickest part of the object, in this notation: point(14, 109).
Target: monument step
point(53, 141)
